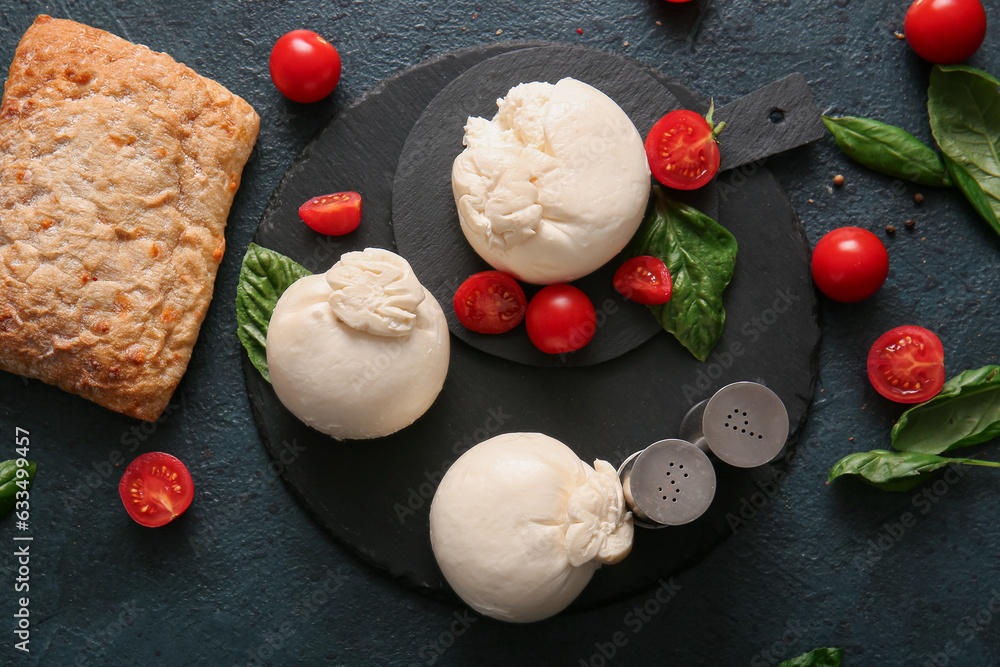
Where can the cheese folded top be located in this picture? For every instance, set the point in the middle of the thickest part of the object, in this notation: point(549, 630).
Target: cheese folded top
point(519, 524)
point(554, 185)
point(360, 352)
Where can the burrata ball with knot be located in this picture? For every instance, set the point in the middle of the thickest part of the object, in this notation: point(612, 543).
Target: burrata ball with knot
point(360, 352)
point(519, 525)
point(554, 185)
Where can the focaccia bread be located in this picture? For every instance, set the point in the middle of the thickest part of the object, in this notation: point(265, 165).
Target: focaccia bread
point(118, 166)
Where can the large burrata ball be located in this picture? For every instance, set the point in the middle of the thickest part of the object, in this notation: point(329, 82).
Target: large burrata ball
point(555, 185)
point(360, 352)
point(519, 524)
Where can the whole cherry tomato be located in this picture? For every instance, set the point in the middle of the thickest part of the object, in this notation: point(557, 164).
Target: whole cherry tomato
point(560, 319)
point(682, 150)
point(490, 302)
point(849, 264)
point(945, 31)
point(334, 215)
point(644, 280)
point(906, 365)
point(156, 488)
point(304, 66)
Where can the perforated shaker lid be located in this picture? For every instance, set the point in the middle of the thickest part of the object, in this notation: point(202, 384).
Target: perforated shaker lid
point(745, 424)
point(669, 483)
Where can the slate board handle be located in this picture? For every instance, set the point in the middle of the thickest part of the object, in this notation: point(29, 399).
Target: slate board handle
point(776, 118)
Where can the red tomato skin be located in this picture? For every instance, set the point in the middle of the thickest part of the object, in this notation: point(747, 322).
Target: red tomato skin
point(560, 319)
point(945, 32)
point(907, 354)
point(498, 308)
point(304, 66)
point(644, 279)
point(334, 214)
point(158, 483)
point(681, 150)
point(850, 264)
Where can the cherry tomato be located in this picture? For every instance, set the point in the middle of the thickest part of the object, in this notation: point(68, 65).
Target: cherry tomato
point(849, 264)
point(906, 365)
point(645, 280)
point(156, 489)
point(334, 215)
point(945, 31)
point(560, 319)
point(682, 150)
point(490, 302)
point(304, 66)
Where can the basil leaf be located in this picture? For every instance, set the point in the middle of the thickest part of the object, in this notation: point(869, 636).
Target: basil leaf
point(895, 471)
point(965, 412)
point(888, 149)
point(700, 255)
point(264, 276)
point(821, 657)
point(8, 483)
point(980, 200)
point(964, 107)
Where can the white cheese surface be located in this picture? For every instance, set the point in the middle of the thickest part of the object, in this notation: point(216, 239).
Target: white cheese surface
point(554, 185)
point(519, 524)
point(360, 352)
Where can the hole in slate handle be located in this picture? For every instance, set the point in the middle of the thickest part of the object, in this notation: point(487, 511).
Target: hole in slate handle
point(777, 116)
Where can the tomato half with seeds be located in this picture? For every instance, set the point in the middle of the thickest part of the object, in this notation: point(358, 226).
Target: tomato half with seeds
point(644, 279)
point(333, 215)
point(156, 489)
point(490, 302)
point(906, 364)
point(682, 150)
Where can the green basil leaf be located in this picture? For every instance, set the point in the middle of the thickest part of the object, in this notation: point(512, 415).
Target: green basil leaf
point(264, 277)
point(888, 149)
point(895, 471)
point(8, 483)
point(964, 107)
point(700, 255)
point(965, 412)
point(821, 657)
point(980, 200)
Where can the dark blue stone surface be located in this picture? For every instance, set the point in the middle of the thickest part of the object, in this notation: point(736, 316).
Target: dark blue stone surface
point(247, 577)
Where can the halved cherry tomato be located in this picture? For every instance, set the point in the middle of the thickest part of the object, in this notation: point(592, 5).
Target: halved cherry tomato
point(644, 279)
point(490, 302)
point(334, 215)
point(560, 319)
point(906, 364)
point(945, 31)
point(849, 264)
point(156, 489)
point(682, 150)
point(304, 66)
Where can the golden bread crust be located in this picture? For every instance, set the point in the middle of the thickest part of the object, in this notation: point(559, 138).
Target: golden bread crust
point(118, 167)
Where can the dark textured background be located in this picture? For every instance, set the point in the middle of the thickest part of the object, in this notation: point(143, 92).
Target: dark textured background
point(247, 577)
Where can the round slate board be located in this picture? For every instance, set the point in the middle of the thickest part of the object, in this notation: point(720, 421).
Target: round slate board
point(442, 258)
point(375, 495)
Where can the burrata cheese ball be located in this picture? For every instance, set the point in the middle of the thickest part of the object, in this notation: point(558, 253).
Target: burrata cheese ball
point(519, 525)
point(555, 185)
point(360, 352)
